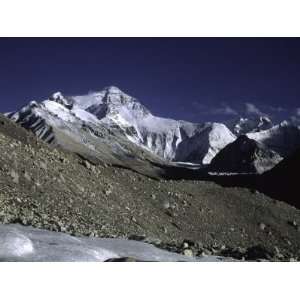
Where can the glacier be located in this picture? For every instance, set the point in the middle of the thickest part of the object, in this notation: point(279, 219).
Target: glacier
point(28, 244)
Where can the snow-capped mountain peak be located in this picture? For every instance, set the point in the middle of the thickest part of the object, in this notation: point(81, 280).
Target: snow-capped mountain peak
point(112, 110)
point(109, 102)
point(115, 110)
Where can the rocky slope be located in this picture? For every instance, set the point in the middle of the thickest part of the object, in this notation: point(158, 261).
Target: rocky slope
point(47, 188)
point(282, 182)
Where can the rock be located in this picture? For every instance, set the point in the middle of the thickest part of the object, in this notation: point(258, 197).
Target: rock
point(93, 234)
point(122, 259)
point(223, 247)
point(37, 184)
point(199, 244)
point(185, 245)
point(237, 253)
point(43, 165)
point(173, 206)
point(27, 176)
point(278, 253)
point(18, 200)
point(262, 226)
point(153, 196)
point(215, 251)
point(258, 252)
point(107, 192)
point(62, 178)
point(169, 213)
point(206, 252)
point(188, 252)
point(44, 216)
point(89, 166)
point(15, 176)
point(80, 188)
point(166, 204)
point(294, 223)
point(63, 160)
point(61, 226)
point(136, 237)
point(177, 195)
point(86, 164)
point(154, 241)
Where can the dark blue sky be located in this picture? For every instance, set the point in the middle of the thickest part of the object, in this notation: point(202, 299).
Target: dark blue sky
point(196, 79)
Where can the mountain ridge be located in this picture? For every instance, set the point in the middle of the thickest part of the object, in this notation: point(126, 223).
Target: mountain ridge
point(127, 127)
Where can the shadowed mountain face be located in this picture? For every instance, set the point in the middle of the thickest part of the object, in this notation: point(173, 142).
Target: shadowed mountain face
point(282, 182)
point(244, 155)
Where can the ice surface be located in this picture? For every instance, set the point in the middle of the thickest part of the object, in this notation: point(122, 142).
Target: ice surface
point(25, 243)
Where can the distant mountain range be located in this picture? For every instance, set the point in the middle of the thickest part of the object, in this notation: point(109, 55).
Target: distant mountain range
point(102, 165)
point(113, 127)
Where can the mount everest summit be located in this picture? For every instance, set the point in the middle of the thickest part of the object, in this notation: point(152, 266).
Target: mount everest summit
point(113, 127)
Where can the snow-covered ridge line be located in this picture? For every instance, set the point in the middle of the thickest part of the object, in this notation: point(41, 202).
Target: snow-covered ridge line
point(171, 140)
point(112, 108)
point(25, 243)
